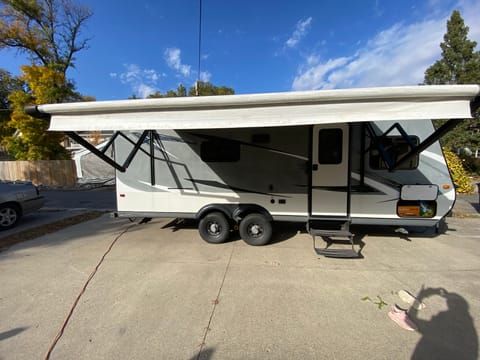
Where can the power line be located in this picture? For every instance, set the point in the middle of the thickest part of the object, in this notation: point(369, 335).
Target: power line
point(199, 46)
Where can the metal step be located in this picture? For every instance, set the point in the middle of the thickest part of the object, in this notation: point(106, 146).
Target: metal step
point(331, 232)
point(338, 253)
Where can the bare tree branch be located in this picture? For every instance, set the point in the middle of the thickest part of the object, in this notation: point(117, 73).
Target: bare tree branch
point(48, 30)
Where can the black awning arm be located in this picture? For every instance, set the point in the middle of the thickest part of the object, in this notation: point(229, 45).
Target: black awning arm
point(437, 134)
point(475, 105)
point(101, 154)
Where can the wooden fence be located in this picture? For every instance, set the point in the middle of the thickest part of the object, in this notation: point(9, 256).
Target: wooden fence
point(40, 172)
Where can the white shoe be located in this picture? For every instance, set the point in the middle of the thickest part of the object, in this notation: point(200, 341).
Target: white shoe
point(411, 300)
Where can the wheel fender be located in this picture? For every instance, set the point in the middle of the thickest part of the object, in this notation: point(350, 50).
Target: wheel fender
point(15, 205)
point(243, 210)
point(223, 208)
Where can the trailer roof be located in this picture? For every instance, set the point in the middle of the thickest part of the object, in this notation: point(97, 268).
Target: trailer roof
point(264, 110)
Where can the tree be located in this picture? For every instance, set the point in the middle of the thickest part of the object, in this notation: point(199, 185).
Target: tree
point(48, 31)
point(460, 64)
point(208, 89)
point(204, 89)
point(180, 92)
point(31, 140)
point(8, 84)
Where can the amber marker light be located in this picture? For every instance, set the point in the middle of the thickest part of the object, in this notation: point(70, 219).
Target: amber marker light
point(446, 186)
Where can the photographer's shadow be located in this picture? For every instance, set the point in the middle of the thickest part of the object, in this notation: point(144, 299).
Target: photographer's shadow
point(450, 334)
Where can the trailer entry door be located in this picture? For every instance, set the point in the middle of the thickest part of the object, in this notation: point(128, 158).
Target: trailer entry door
point(330, 155)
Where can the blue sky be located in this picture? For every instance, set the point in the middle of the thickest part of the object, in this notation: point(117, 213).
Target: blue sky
point(259, 46)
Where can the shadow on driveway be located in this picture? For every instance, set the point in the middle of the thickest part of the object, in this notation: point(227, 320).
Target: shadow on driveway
point(11, 333)
point(450, 334)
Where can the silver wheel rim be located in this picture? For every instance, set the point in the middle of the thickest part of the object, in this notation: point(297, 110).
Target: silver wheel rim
point(214, 228)
point(255, 230)
point(8, 216)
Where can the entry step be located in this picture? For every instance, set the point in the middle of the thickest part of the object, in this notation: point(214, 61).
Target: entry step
point(331, 233)
point(338, 253)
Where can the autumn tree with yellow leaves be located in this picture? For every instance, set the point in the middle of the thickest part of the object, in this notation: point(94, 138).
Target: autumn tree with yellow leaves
point(31, 140)
point(49, 32)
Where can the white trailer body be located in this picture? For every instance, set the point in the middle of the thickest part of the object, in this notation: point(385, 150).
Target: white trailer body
point(270, 168)
point(358, 156)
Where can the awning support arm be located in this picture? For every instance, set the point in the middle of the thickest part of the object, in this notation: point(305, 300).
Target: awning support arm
point(437, 134)
point(101, 154)
point(135, 149)
point(94, 150)
point(110, 142)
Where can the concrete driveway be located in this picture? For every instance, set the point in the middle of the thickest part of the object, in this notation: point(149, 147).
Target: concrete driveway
point(162, 293)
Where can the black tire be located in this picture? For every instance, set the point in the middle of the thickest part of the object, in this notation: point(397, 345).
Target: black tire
point(9, 216)
point(214, 228)
point(255, 229)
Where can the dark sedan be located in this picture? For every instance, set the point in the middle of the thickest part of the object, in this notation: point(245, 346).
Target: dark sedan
point(17, 199)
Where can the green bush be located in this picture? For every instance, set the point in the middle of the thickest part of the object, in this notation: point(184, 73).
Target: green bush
point(460, 177)
point(471, 164)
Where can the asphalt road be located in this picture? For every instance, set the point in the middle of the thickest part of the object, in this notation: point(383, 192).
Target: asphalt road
point(102, 198)
point(64, 204)
point(163, 293)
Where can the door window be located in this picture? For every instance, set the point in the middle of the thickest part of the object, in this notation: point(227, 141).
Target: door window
point(330, 146)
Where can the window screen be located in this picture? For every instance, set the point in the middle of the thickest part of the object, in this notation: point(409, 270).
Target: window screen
point(394, 147)
point(330, 145)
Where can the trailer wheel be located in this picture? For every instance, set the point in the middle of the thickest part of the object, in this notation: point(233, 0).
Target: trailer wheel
point(255, 229)
point(214, 228)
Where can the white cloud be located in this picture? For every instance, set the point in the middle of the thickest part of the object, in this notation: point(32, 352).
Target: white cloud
point(398, 55)
point(143, 90)
point(142, 81)
point(300, 31)
point(174, 61)
point(314, 77)
point(205, 76)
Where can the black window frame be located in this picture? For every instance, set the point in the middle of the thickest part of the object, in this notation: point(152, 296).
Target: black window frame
point(330, 148)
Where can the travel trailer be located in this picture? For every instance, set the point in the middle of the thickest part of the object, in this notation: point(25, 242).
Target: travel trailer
point(328, 159)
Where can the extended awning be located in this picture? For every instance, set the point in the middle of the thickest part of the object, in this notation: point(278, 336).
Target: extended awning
point(264, 110)
point(453, 102)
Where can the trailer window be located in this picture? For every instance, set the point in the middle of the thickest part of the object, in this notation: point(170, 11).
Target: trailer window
point(330, 145)
point(394, 148)
point(218, 150)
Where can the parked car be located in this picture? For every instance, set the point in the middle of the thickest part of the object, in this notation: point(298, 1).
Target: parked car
point(17, 199)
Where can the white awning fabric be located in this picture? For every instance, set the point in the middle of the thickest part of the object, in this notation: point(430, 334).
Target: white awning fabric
point(266, 110)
